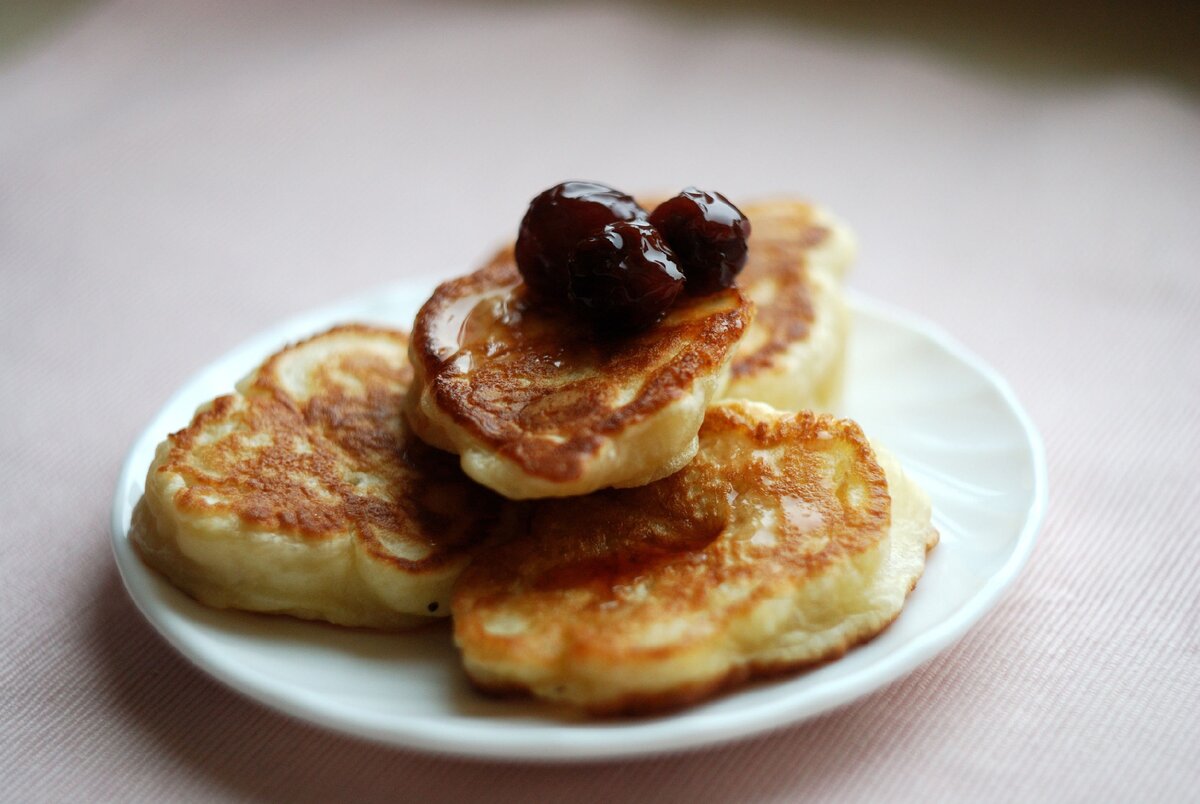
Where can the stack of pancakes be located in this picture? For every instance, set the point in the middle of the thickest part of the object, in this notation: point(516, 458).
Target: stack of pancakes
point(619, 524)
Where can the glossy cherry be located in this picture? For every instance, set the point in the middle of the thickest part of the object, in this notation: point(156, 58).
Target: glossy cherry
point(708, 235)
point(556, 221)
point(625, 277)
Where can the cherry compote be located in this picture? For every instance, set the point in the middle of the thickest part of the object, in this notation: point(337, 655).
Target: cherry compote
point(708, 235)
point(624, 277)
point(556, 221)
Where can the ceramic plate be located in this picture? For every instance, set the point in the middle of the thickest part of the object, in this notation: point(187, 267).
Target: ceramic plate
point(953, 421)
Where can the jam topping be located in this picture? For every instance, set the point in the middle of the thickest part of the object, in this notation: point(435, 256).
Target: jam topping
point(625, 277)
point(591, 249)
point(559, 218)
point(708, 234)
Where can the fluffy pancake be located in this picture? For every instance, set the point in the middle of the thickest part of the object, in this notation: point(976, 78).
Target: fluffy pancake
point(305, 493)
point(538, 405)
point(793, 353)
point(785, 542)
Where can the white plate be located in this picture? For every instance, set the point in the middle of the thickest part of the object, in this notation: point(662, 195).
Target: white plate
point(953, 421)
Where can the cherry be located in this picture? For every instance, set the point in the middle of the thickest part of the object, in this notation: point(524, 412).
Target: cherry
point(708, 235)
point(559, 218)
point(624, 277)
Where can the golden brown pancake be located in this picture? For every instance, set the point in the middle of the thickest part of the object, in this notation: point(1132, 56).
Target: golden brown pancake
point(305, 493)
point(539, 405)
point(786, 541)
point(793, 354)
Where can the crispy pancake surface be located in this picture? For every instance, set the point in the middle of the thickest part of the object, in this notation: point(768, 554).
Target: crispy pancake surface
point(538, 405)
point(793, 354)
point(785, 542)
point(305, 493)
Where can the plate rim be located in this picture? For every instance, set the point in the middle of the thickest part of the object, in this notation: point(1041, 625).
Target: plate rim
point(653, 737)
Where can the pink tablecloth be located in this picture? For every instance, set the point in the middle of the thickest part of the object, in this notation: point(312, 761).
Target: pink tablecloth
point(175, 177)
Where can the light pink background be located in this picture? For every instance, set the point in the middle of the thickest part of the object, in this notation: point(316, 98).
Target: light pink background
point(175, 177)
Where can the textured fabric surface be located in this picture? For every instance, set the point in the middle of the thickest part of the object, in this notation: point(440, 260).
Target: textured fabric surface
point(175, 177)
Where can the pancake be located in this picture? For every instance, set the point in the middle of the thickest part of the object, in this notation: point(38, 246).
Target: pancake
point(306, 494)
point(785, 542)
point(539, 405)
point(793, 354)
